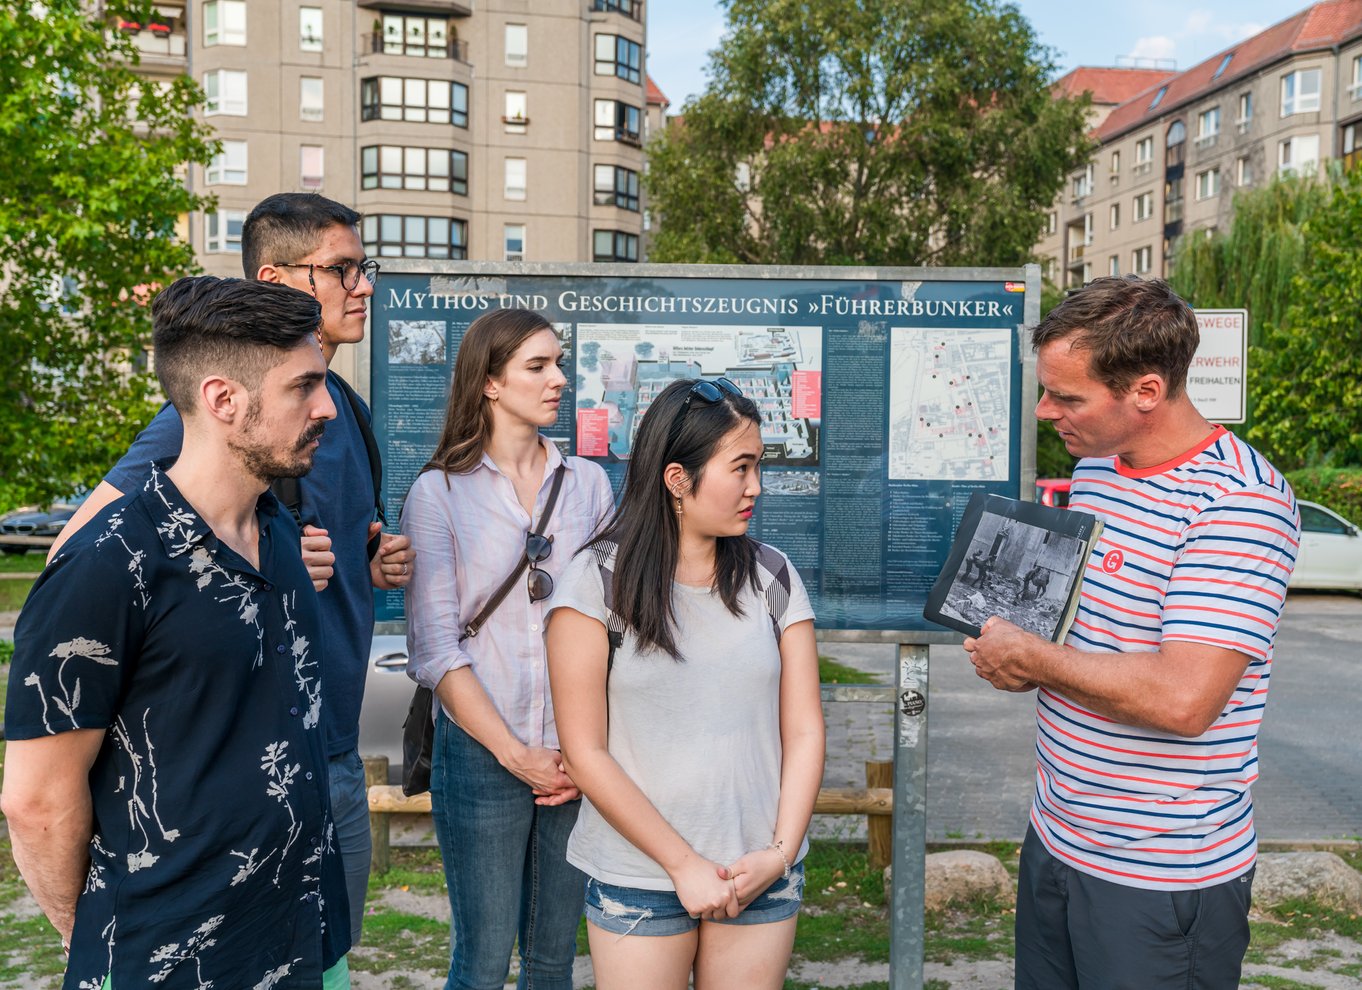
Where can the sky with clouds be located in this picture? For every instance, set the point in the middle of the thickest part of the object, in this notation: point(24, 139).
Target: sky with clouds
point(682, 32)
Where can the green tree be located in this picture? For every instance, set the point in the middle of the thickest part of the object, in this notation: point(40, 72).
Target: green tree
point(886, 132)
point(1254, 263)
point(93, 193)
point(1307, 375)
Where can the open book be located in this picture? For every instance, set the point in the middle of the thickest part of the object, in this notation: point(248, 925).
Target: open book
point(1018, 560)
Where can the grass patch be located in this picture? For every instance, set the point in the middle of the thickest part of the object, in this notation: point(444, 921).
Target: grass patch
point(1276, 983)
point(832, 672)
point(30, 950)
point(13, 592)
point(976, 931)
point(417, 870)
point(395, 940)
point(1302, 920)
point(23, 563)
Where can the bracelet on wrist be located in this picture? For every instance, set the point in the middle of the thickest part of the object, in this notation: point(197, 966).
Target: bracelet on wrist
point(779, 847)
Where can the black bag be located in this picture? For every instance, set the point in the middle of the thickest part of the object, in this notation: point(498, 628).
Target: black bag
point(418, 731)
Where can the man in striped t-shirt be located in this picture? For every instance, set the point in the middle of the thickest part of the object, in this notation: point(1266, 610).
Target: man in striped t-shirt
point(1138, 864)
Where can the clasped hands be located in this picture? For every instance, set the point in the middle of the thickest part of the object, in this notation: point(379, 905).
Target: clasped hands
point(713, 892)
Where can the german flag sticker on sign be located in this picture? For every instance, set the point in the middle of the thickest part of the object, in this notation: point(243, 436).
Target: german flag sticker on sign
point(1015, 286)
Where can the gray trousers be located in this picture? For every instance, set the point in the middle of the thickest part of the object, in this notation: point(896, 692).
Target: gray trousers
point(1077, 932)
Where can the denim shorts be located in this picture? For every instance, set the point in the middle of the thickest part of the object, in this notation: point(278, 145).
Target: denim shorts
point(633, 911)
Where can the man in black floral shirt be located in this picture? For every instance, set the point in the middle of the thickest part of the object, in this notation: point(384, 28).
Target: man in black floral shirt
point(166, 776)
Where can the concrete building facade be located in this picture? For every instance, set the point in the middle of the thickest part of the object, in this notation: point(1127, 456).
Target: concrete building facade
point(1172, 154)
point(487, 130)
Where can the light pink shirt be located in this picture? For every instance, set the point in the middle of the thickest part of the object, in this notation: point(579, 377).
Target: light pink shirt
point(468, 535)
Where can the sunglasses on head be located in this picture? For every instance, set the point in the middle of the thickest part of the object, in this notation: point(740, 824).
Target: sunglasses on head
point(708, 392)
point(540, 583)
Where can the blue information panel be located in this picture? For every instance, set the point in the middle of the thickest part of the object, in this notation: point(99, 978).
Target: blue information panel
point(887, 401)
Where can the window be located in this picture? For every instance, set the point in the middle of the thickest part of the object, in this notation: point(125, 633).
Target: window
point(1245, 110)
point(1207, 183)
point(1082, 183)
point(1158, 97)
point(1144, 154)
point(1142, 260)
point(1300, 92)
point(616, 121)
point(224, 22)
point(310, 98)
point(1115, 215)
point(517, 112)
point(1144, 206)
point(1115, 162)
point(513, 242)
point(617, 186)
point(618, 56)
point(1299, 154)
point(1224, 64)
point(1052, 222)
point(1243, 172)
point(515, 178)
point(228, 167)
point(517, 44)
point(412, 34)
point(310, 168)
point(422, 101)
point(1355, 88)
point(390, 166)
point(310, 29)
point(1208, 123)
point(613, 245)
point(1114, 265)
point(1352, 147)
point(222, 231)
point(630, 8)
point(226, 93)
point(389, 235)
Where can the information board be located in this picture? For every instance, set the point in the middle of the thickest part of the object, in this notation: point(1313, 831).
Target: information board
point(888, 396)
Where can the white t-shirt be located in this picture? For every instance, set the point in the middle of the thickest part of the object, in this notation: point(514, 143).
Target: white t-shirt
point(700, 736)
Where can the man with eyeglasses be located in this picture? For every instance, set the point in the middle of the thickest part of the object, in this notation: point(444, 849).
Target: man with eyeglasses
point(312, 243)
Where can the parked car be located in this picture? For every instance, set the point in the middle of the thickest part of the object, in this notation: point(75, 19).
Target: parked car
point(1330, 552)
point(1053, 492)
point(32, 527)
point(387, 693)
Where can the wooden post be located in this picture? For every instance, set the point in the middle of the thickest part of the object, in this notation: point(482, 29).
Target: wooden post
point(879, 829)
point(376, 772)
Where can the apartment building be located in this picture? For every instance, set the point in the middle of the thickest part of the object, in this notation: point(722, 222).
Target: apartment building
point(1172, 154)
point(461, 129)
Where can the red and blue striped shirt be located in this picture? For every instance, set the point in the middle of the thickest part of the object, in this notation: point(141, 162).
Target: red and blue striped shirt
point(1195, 550)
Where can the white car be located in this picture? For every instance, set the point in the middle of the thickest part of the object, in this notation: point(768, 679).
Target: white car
point(1331, 550)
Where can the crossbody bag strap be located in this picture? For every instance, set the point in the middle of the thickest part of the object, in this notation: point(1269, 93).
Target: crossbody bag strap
point(500, 594)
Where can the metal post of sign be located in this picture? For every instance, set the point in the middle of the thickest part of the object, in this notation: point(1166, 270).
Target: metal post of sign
point(910, 819)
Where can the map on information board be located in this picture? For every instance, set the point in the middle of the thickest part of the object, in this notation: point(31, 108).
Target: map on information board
point(623, 367)
point(949, 396)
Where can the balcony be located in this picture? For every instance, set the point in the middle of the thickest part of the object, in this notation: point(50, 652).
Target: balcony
point(161, 42)
point(1207, 141)
point(378, 44)
point(629, 8)
point(1142, 168)
point(451, 7)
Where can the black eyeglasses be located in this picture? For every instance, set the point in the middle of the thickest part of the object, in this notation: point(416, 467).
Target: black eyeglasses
point(347, 271)
point(708, 392)
point(540, 583)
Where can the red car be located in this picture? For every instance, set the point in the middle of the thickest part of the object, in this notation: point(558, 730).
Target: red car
point(1053, 492)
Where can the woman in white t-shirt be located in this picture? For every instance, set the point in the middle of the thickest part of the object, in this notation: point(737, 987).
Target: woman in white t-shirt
point(699, 795)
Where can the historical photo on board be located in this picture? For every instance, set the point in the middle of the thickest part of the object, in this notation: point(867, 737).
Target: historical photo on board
point(790, 483)
point(622, 367)
point(950, 392)
point(416, 341)
point(1018, 560)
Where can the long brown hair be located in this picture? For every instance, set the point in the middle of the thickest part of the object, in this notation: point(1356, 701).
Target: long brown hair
point(488, 345)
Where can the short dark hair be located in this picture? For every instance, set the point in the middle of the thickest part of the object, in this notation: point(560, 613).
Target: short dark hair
point(287, 226)
point(225, 326)
point(1131, 326)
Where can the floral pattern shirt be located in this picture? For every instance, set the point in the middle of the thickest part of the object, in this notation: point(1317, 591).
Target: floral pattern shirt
point(213, 861)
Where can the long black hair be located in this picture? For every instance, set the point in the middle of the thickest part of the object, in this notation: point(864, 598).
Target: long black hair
point(645, 526)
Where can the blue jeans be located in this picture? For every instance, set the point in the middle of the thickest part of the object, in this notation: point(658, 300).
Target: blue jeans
point(506, 867)
point(350, 814)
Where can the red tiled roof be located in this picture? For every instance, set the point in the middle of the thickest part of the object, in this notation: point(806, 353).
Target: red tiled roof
point(1110, 86)
point(1319, 26)
point(656, 95)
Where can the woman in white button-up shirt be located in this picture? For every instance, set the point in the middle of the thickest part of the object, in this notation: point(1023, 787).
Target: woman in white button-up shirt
point(503, 806)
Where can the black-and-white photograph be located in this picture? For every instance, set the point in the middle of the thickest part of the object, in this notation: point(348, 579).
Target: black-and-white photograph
point(790, 482)
point(416, 341)
point(1016, 560)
